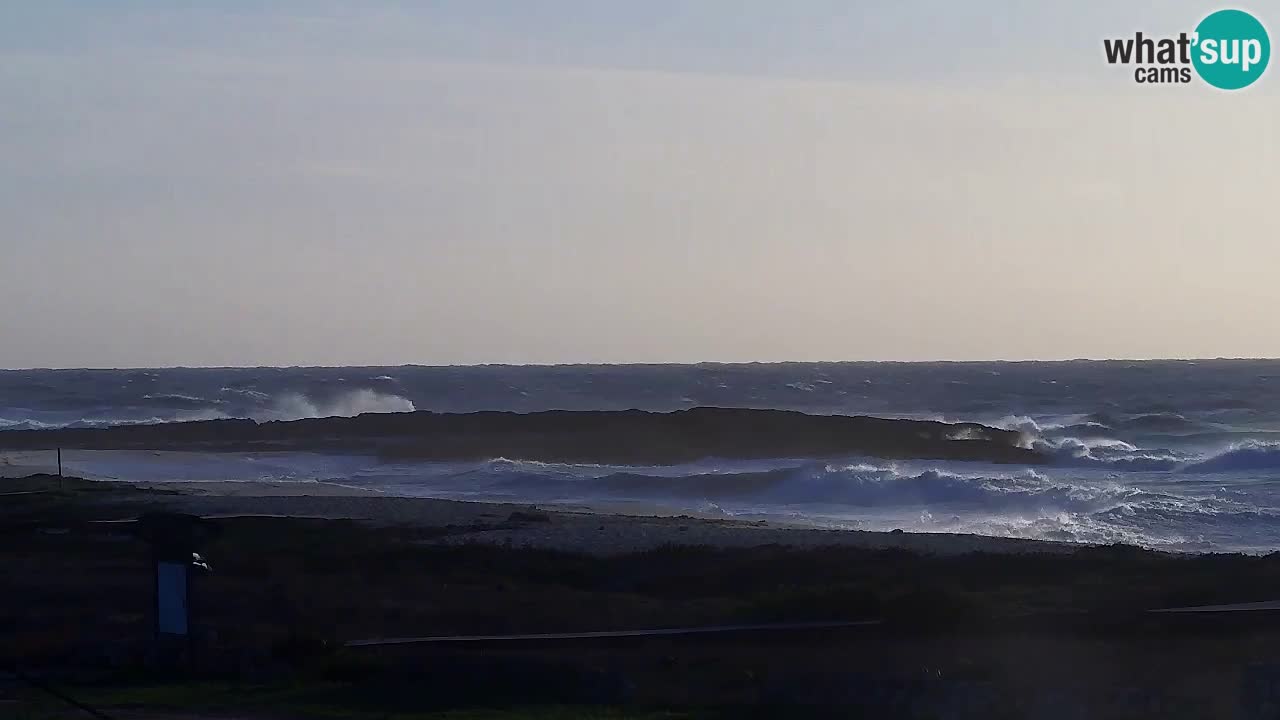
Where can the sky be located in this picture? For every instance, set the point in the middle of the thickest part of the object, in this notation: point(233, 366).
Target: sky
point(315, 183)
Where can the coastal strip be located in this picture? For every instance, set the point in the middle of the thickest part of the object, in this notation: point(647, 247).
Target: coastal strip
point(613, 437)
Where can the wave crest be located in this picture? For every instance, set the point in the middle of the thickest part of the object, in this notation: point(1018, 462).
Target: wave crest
point(880, 497)
point(296, 406)
point(1246, 455)
point(857, 485)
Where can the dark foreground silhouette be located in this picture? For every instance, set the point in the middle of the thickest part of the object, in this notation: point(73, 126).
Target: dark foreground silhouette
point(629, 436)
point(1061, 634)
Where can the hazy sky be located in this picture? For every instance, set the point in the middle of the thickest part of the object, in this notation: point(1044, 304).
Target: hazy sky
point(210, 183)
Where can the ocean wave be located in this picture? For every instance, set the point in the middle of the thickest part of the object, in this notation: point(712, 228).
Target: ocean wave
point(178, 399)
point(1192, 526)
point(25, 424)
point(1149, 421)
point(864, 485)
point(1105, 453)
point(1088, 429)
point(875, 496)
point(1101, 452)
point(174, 407)
point(1086, 443)
point(246, 392)
point(1158, 422)
point(105, 422)
point(856, 485)
point(1246, 455)
point(296, 406)
point(1024, 424)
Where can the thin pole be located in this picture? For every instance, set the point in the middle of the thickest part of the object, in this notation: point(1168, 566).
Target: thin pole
point(60, 487)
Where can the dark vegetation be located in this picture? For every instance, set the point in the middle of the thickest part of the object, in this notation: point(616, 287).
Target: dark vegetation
point(630, 436)
point(1003, 635)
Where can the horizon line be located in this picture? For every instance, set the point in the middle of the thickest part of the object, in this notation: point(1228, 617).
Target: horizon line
point(992, 361)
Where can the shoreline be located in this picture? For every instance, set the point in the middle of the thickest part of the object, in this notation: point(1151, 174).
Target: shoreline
point(577, 529)
point(293, 583)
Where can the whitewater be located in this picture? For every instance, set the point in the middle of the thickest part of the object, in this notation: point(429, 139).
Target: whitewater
point(1175, 455)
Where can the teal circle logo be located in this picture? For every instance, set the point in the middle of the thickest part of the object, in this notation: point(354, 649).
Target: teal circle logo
point(1231, 49)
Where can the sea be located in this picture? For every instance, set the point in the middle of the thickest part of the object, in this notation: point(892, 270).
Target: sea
point(1175, 455)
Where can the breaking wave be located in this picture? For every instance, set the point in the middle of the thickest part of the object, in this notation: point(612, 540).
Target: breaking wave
point(251, 404)
point(1096, 450)
point(1090, 444)
point(1106, 453)
point(874, 496)
point(856, 485)
point(1091, 448)
point(296, 406)
point(25, 424)
point(1247, 455)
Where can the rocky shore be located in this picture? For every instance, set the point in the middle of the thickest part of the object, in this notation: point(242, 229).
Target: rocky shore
point(630, 436)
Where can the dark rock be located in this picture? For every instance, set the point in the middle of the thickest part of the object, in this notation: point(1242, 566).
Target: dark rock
point(531, 515)
point(622, 437)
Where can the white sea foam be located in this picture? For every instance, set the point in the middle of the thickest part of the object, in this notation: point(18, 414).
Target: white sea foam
point(1247, 455)
point(296, 406)
point(1158, 453)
